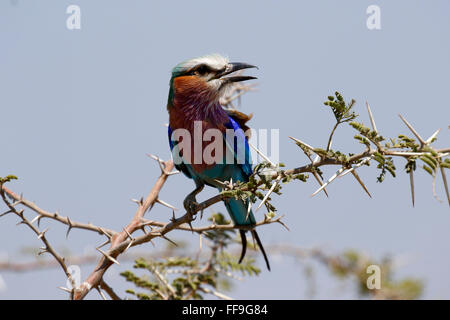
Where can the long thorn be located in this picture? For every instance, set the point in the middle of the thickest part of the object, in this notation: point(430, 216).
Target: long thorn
point(372, 120)
point(69, 228)
point(269, 192)
point(104, 232)
point(315, 174)
point(249, 208)
point(35, 218)
point(360, 182)
point(166, 204)
point(160, 162)
point(422, 142)
point(190, 225)
point(104, 244)
point(65, 289)
point(283, 224)
point(444, 178)
point(359, 164)
point(320, 182)
point(334, 176)
point(171, 241)
point(101, 293)
point(156, 158)
point(128, 234)
point(302, 143)
point(129, 245)
point(262, 154)
point(108, 256)
point(411, 182)
point(433, 136)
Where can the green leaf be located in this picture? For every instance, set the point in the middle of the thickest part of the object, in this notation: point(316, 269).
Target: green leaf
point(431, 162)
point(428, 169)
point(8, 178)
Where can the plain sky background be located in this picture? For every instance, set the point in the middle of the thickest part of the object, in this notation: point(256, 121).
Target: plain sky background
point(80, 109)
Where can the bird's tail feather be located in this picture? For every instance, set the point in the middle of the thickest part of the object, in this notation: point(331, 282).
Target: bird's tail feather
point(244, 244)
point(238, 210)
point(258, 241)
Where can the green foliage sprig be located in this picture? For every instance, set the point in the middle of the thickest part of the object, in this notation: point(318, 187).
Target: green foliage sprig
point(186, 277)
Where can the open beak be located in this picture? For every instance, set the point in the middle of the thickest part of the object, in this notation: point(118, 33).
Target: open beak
point(233, 67)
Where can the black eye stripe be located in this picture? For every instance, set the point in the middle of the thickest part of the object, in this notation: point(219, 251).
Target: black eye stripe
point(200, 69)
point(203, 69)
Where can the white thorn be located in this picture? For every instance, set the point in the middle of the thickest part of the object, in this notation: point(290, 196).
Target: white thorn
point(165, 204)
point(422, 142)
point(65, 289)
point(40, 235)
point(372, 120)
point(361, 183)
point(433, 136)
point(129, 245)
point(262, 154)
point(319, 180)
point(101, 293)
point(35, 218)
point(108, 256)
point(411, 181)
point(444, 178)
point(268, 193)
point(302, 143)
point(128, 234)
point(103, 244)
point(359, 164)
point(249, 208)
point(328, 182)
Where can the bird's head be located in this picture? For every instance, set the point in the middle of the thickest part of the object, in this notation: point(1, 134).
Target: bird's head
point(204, 80)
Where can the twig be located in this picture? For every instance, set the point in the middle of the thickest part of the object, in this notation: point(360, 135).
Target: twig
point(54, 216)
point(41, 236)
point(216, 293)
point(120, 239)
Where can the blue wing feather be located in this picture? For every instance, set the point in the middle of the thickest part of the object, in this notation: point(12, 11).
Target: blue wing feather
point(243, 157)
point(239, 147)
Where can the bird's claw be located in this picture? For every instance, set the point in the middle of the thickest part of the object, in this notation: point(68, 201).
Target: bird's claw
point(191, 205)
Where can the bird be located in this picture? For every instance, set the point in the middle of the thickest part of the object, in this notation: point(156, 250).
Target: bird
point(196, 86)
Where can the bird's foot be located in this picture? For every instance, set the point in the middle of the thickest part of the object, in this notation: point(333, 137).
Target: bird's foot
point(191, 205)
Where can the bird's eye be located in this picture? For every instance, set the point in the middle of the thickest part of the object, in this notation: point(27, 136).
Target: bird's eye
point(201, 70)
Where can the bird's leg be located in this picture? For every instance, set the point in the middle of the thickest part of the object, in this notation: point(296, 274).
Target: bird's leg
point(190, 202)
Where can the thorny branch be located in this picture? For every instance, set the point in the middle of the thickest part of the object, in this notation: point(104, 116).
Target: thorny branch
point(40, 234)
point(267, 177)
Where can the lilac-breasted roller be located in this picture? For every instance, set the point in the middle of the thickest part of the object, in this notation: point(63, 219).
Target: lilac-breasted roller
point(197, 121)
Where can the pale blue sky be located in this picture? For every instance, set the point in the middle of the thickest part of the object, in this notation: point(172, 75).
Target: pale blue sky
point(80, 109)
